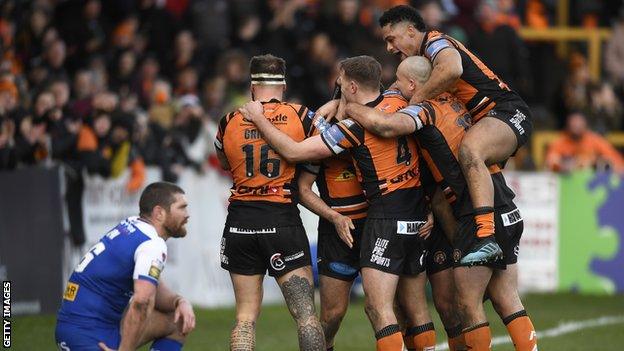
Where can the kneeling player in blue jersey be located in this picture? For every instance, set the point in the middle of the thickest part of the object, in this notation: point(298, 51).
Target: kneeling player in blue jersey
point(121, 273)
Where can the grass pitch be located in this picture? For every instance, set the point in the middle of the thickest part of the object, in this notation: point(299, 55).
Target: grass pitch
point(552, 313)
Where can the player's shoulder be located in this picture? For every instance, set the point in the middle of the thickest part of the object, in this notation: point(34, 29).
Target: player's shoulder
point(294, 109)
point(392, 101)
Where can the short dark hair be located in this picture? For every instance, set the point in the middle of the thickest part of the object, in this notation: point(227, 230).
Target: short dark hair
point(158, 194)
point(364, 70)
point(268, 64)
point(400, 14)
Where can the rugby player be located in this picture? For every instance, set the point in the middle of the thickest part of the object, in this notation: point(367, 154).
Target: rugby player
point(341, 208)
point(122, 272)
point(263, 229)
point(439, 125)
point(388, 169)
point(502, 120)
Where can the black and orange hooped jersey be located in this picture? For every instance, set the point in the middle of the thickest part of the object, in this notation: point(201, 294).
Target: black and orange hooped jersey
point(441, 124)
point(339, 187)
point(386, 167)
point(262, 179)
point(478, 87)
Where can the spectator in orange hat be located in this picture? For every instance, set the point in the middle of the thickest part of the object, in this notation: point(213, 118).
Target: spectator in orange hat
point(580, 148)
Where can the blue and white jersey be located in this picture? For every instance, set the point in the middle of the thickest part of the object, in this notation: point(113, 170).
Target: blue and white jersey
point(100, 287)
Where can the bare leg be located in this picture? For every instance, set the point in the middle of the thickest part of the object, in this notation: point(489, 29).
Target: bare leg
point(379, 288)
point(248, 293)
point(298, 290)
point(334, 304)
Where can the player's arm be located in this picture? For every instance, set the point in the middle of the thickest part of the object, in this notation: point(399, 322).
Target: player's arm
point(314, 203)
point(148, 264)
point(380, 123)
point(309, 149)
point(168, 301)
point(447, 68)
point(225, 164)
point(218, 143)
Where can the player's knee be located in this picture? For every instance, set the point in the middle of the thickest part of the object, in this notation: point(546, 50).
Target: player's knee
point(469, 154)
point(446, 309)
point(333, 312)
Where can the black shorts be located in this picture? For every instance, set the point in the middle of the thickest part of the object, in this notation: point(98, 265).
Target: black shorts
point(393, 246)
point(517, 116)
point(253, 251)
point(439, 251)
point(508, 231)
point(335, 259)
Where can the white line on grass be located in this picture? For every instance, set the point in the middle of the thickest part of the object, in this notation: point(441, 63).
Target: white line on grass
point(561, 329)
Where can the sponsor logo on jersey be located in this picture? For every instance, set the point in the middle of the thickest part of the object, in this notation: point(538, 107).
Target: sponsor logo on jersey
point(404, 176)
point(342, 268)
point(511, 218)
point(70, 291)
point(457, 255)
point(155, 269)
point(276, 262)
point(345, 176)
point(409, 227)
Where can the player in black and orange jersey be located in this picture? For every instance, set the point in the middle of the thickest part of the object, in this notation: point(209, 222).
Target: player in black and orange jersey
point(502, 120)
point(342, 210)
point(439, 125)
point(263, 229)
point(392, 254)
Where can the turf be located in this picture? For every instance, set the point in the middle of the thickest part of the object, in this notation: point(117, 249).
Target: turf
point(276, 331)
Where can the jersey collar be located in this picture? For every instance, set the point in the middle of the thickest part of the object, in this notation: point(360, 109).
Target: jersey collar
point(375, 102)
point(424, 43)
point(145, 227)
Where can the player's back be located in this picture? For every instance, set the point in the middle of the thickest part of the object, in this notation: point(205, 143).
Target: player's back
point(101, 285)
point(387, 167)
point(263, 182)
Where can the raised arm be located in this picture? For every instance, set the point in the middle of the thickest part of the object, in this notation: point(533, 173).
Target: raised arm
point(309, 149)
point(380, 123)
point(314, 203)
point(447, 68)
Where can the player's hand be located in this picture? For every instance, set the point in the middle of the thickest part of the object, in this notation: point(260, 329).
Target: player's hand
point(425, 230)
point(185, 315)
point(344, 225)
point(328, 111)
point(103, 347)
point(252, 110)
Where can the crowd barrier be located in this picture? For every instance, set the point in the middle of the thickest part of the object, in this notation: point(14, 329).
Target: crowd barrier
point(573, 233)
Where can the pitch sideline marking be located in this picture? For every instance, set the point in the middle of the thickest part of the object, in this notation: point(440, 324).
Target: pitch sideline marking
point(561, 329)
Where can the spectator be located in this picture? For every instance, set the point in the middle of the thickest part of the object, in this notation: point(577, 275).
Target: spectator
point(604, 112)
point(500, 47)
point(580, 148)
point(345, 30)
point(614, 54)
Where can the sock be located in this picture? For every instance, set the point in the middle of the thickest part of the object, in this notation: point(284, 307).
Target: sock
point(164, 344)
point(456, 341)
point(422, 337)
point(389, 338)
point(478, 337)
point(521, 331)
point(484, 217)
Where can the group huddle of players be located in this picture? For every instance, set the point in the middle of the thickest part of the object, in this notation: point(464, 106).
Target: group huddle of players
point(410, 189)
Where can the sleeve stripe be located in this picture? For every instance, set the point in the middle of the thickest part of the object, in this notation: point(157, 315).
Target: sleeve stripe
point(218, 144)
point(301, 111)
point(435, 46)
point(337, 150)
point(414, 112)
point(430, 111)
point(347, 133)
point(149, 279)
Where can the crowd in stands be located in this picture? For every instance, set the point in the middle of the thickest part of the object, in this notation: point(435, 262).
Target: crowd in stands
point(106, 87)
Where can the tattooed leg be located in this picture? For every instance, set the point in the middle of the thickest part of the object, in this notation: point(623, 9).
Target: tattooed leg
point(298, 292)
point(243, 337)
point(248, 294)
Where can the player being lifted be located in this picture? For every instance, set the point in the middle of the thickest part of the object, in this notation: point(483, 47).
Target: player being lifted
point(502, 120)
point(388, 169)
point(439, 125)
point(123, 270)
point(263, 229)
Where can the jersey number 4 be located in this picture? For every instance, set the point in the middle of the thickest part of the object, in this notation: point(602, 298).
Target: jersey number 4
point(269, 167)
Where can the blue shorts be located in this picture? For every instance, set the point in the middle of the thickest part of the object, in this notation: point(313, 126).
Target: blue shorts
point(70, 337)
